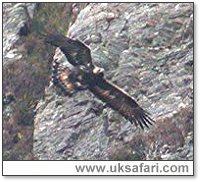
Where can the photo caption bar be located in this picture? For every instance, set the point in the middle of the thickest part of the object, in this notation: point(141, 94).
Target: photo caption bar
point(132, 168)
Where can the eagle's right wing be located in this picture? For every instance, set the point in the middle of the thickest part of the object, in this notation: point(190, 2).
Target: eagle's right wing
point(117, 99)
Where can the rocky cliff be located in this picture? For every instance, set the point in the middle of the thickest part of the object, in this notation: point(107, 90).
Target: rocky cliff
point(146, 49)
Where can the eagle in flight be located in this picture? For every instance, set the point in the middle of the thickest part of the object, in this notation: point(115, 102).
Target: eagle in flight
point(85, 75)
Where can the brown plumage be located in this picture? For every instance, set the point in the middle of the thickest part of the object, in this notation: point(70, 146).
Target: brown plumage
point(117, 99)
point(90, 76)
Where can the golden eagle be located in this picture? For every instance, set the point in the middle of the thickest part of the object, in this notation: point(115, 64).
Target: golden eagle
point(86, 74)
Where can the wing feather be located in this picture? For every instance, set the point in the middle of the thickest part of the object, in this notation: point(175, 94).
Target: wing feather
point(120, 101)
point(76, 51)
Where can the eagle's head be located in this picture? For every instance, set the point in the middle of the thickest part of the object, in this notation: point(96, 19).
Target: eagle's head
point(98, 71)
point(92, 70)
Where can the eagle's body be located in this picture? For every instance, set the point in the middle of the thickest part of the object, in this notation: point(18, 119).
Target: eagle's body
point(87, 75)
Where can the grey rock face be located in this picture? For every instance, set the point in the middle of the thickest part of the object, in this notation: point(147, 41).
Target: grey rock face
point(146, 49)
point(17, 80)
point(14, 18)
point(26, 68)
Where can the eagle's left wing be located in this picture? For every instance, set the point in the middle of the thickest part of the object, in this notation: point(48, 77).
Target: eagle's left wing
point(117, 99)
point(77, 52)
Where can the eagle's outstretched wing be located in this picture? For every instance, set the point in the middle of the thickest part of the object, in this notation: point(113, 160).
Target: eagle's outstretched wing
point(77, 52)
point(117, 99)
